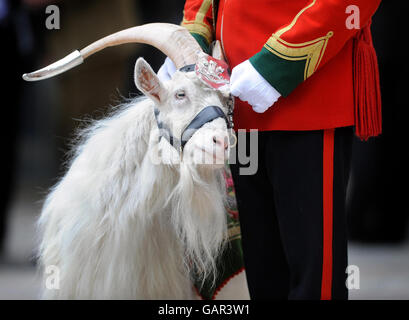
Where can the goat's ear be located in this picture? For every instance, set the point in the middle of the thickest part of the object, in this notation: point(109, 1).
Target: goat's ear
point(148, 82)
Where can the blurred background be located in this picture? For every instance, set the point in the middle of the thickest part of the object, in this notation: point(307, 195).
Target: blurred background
point(42, 117)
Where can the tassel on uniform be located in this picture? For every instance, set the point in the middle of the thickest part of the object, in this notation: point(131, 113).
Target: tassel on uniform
point(368, 113)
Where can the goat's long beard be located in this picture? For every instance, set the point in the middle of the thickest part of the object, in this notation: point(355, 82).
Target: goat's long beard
point(199, 218)
point(193, 196)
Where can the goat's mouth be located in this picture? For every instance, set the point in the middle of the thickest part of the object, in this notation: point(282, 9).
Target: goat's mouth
point(217, 159)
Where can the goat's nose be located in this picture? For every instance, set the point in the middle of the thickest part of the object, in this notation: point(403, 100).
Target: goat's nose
point(221, 141)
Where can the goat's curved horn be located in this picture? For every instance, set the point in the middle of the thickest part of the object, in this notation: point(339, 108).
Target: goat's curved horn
point(173, 40)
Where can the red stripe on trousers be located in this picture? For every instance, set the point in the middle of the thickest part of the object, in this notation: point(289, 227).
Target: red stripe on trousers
point(328, 178)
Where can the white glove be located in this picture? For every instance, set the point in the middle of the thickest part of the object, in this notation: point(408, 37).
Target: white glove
point(249, 85)
point(167, 70)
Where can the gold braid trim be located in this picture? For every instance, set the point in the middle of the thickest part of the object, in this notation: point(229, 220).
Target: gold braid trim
point(198, 25)
point(312, 51)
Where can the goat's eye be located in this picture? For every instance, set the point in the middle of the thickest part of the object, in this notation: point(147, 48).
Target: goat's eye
point(180, 95)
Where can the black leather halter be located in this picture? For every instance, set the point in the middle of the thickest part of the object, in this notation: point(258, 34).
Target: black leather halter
point(206, 115)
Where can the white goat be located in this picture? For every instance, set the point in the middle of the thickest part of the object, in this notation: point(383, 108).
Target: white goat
point(121, 225)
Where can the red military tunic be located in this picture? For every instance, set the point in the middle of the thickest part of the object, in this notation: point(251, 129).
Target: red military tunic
point(303, 48)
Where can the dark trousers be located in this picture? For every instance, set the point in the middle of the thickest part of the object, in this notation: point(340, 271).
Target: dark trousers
point(292, 214)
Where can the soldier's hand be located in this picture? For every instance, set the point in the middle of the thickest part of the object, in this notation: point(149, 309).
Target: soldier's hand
point(249, 85)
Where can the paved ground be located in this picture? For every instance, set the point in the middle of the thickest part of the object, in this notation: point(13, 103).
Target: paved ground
point(384, 270)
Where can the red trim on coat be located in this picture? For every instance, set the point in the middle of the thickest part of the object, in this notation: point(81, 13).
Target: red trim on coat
point(221, 285)
point(226, 281)
point(328, 178)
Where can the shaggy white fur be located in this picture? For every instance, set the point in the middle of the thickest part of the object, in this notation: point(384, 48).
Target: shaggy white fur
point(119, 226)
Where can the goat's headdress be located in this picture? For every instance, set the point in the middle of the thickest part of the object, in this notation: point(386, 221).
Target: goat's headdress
point(179, 45)
point(173, 40)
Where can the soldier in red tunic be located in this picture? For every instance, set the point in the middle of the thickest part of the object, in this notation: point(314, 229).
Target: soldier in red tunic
point(303, 78)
